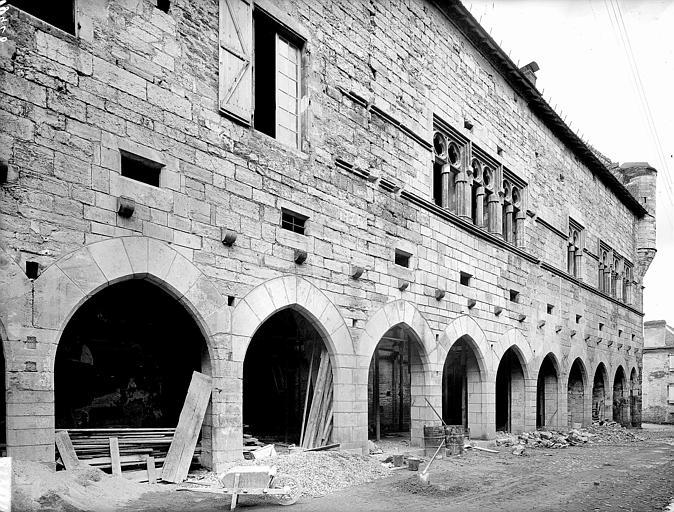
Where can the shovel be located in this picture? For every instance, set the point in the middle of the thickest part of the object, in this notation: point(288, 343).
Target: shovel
point(423, 476)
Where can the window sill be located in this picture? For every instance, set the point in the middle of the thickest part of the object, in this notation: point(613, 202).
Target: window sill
point(263, 137)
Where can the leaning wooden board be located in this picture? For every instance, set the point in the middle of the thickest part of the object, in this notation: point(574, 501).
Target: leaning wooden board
point(179, 457)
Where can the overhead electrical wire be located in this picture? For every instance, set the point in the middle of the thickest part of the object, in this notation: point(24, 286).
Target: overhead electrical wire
point(620, 27)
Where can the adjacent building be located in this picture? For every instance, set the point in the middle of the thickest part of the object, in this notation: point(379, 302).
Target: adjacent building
point(658, 372)
point(238, 186)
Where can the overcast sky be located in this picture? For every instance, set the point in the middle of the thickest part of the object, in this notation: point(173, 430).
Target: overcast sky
point(585, 72)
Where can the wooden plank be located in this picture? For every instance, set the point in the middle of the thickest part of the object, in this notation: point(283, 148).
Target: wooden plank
point(66, 450)
point(318, 392)
point(306, 395)
point(114, 457)
point(151, 470)
point(322, 406)
point(181, 450)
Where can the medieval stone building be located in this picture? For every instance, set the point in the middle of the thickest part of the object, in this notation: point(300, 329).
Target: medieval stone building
point(233, 186)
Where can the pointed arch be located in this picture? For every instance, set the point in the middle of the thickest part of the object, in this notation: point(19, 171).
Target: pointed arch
point(390, 315)
point(289, 292)
point(466, 327)
point(513, 338)
point(65, 285)
point(68, 282)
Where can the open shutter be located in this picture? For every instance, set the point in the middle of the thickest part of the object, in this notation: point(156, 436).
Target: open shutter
point(236, 50)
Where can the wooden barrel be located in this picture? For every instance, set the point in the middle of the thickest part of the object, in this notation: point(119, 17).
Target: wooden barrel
point(454, 439)
point(433, 437)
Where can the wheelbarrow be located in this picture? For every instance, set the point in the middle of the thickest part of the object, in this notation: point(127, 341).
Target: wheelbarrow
point(255, 480)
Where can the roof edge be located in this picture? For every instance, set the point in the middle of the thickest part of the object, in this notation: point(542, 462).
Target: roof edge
point(464, 21)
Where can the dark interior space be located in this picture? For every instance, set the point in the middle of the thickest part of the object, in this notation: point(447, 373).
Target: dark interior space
point(264, 118)
point(455, 384)
point(509, 392)
point(140, 169)
point(437, 184)
point(620, 403)
point(389, 383)
point(59, 13)
point(576, 394)
point(276, 374)
point(546, 394)
point(126, 359)
point(599, 394)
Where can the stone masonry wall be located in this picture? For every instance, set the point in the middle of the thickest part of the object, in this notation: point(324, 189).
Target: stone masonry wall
point(146, 81)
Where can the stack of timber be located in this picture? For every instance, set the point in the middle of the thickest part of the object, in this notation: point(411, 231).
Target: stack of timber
point(319, 421)
point(92, 445)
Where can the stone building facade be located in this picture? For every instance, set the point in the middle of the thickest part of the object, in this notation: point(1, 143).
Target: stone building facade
point(658, 371)
point(367, 166)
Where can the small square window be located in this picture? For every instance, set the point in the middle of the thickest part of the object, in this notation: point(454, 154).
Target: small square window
point(578, 318)
point(551, 308)
point(164, 5)
point(514, 296)
point(140, 169)
point(464, 278)
point(32, 269)
point(292, 221)
point(601, 326)
point(230, 300)
point(402, 258)
point(58, 13)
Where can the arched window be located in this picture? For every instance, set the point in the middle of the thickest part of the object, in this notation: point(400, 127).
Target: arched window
point(448, 155)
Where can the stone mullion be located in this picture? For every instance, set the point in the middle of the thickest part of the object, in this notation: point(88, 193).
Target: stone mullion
point(462, 195)
point(494, 214)
point(508, 229)
point(479, 206)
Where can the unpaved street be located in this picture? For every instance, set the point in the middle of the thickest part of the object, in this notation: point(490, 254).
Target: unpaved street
point(630, 476)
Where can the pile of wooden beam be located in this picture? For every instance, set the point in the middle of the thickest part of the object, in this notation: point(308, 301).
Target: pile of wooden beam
point(319, 421)
point(92, 445)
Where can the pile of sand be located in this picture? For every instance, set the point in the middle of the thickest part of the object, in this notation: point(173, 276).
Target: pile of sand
point(36, 487)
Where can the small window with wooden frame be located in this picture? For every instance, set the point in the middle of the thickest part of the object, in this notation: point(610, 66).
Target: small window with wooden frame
point(261, 66)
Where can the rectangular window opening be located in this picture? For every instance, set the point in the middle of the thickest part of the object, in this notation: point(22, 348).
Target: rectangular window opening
point(620, 333)
point(32, 269)
point(464, 278)
point(578, 318)
point(551, 308)
point(277, 80)
point(514, 296)
point(294, 222)
point(58, 13)
point(402, 258)
point(230, 300)
point(140, 169)
point(601, 326)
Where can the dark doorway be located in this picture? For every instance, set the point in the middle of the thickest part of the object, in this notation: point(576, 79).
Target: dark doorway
point(599, 405)
point(547, 390)
point(392, 368)
point(461, 379)
point(510, 393)
point(620, 403)
point(276, 376)
point(635, 402)
point(126, 359)
point(576, 394)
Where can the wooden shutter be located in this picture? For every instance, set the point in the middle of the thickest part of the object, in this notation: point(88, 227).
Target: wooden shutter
point(236, 51)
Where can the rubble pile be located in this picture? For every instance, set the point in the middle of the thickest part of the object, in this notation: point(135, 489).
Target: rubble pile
point(318, 473)
point(601, 432)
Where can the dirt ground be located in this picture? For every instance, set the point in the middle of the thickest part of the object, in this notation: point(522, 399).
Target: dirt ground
point(637, 476)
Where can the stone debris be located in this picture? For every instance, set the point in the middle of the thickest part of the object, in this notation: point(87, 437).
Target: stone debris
point(601, 432)
point(319, 473)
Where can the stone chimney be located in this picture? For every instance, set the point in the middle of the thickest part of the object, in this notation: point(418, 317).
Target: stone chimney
point(530, 71)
